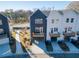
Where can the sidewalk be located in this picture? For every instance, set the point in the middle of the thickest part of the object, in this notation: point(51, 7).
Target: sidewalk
point(38, 52)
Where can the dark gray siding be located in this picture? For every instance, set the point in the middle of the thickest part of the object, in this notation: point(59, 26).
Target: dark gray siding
point(36, 15)
point(5, 25)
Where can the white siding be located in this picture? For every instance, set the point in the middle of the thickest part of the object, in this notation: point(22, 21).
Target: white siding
point(61, 24)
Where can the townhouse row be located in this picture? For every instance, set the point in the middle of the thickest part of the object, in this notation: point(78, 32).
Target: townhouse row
point(59, 25)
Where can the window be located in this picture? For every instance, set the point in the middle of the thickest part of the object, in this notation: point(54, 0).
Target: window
point(55, 29)
point(70, 28)
point(65, 30)
point(39, 29)
point(38, 21)
point(67, 20)
point(51, 30)
point(52, 20)
point(0, 22)
point(72, 20)
point(57, 19)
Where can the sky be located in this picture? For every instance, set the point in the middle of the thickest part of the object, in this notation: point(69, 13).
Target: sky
point(30, 5)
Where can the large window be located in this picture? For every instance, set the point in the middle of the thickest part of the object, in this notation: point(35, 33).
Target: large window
point(68, 29)
point(38, 21)
point(39, 29)
point(54, 30)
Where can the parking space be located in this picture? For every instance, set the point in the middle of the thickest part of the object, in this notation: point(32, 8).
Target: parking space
point(56, 48)
point(5, 49)
point(72, 48)
point(61, 47)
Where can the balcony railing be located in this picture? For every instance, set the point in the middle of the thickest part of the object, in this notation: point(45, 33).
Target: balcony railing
point(54, 34)
point(69, 34)
point(38, 35)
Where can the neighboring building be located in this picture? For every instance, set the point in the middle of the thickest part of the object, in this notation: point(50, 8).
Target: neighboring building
point(4, 26)
point(62, 22)
point(74, 5)
point(5, 35)
point(38, 23)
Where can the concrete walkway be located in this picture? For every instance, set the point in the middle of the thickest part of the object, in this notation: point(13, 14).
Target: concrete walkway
point(37, 52)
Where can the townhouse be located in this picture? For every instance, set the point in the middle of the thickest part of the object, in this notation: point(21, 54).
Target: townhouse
point(62, 23)
point(59, 25)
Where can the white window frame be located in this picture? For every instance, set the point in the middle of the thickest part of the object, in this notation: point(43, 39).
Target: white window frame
point(39, 21)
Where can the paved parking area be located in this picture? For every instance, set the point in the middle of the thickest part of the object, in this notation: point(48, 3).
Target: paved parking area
point(40, 49)
point(5, 50)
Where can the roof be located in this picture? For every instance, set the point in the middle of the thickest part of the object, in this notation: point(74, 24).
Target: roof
point(62, 12)
point(73, 5)
point(38, 13)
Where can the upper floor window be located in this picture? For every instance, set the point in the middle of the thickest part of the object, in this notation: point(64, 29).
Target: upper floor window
point(72, 20)
point(38, 21)
point(67, 20)
point(55, 20)
point(52, 20)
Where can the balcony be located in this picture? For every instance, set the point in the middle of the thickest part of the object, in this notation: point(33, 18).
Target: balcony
point(54, 34)
point(69, 34)
point(38, 35)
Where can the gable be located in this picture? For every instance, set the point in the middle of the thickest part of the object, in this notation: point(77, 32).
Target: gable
point(54, 14)
point(38, 14)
